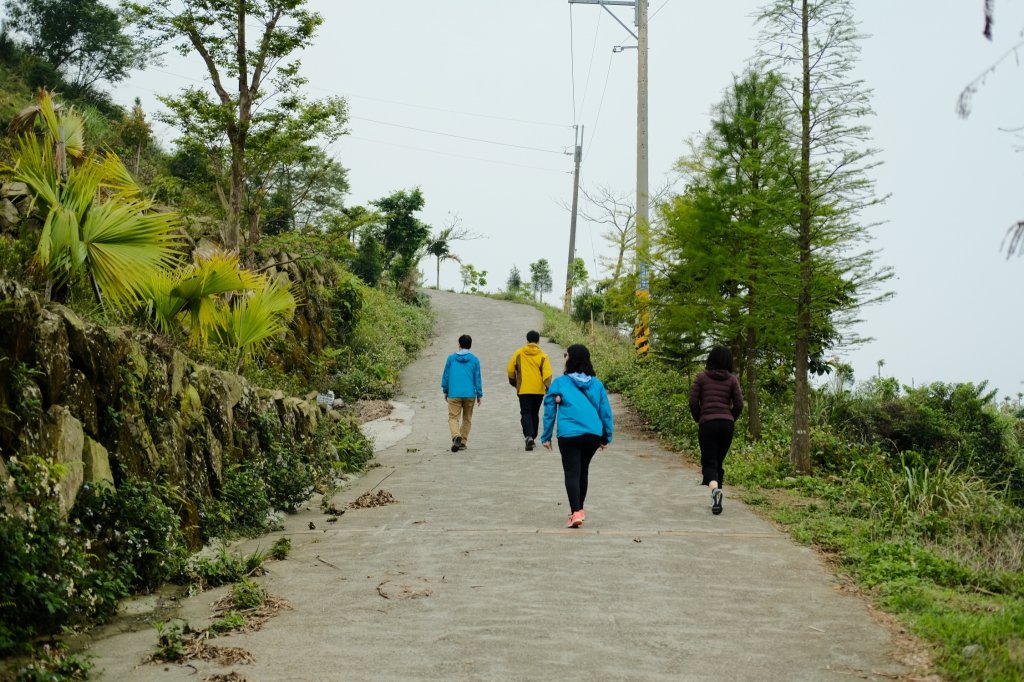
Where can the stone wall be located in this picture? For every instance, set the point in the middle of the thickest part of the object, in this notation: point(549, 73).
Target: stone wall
point(112, 403)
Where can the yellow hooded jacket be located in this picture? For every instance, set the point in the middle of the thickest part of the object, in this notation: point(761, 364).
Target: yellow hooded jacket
point(529, 370)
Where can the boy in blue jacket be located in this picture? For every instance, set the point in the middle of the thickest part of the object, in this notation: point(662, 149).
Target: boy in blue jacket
point(461, 385)
point(585, 424)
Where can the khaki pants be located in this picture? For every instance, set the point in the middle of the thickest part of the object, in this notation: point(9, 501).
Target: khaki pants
point(463, 407)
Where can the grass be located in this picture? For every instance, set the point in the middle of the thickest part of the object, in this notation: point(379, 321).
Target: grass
point(936, 545)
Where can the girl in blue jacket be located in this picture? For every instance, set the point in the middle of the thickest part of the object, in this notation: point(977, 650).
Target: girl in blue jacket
point(584, 424)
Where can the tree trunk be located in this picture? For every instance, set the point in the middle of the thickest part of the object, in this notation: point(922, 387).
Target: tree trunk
point(232, 231)
point(438, 285)
point(750, 391)
point(800, 448)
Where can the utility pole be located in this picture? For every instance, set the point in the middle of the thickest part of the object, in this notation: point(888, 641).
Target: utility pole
point(642, 332)
point(567, 307)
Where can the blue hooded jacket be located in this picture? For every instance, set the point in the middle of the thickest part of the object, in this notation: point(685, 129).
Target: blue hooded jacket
point(461, 377)
point(584, 408)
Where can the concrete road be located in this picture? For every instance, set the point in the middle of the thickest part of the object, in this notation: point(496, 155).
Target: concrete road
point(472, 576)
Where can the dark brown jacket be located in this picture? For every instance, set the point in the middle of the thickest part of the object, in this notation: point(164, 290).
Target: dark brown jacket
point(715, 394)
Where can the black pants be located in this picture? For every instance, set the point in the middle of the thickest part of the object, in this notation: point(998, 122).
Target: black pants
point(577, 452)
point(715, 437)
point(529, 413)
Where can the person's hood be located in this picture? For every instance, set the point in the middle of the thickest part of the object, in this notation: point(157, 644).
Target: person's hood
point(532, 349)
point(580, 379)
point(719, 374)
point(463, 356)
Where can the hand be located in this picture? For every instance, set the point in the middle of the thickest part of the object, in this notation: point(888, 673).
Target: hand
point(446, 397)
point(479, 400)
point(602, 447)
point(547, 444)
point(558, 400)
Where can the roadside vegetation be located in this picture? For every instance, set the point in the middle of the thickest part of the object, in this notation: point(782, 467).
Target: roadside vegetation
point(238, 252)
point(917, 493)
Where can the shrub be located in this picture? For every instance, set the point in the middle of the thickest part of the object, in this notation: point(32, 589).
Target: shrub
point(137, 534)
point(49, 578)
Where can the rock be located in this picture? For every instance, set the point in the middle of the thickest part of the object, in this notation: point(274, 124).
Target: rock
point(176, 369)
point(9, 214)
point(971, 650)
point(79, 397)
point(338, 404)
point(311, 395)
point(15, 189)
point(96, 461)
point(62, 441)
point(51, 351)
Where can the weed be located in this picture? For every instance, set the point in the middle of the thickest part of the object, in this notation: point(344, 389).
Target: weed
point(55, 664)
point(281, 548)
point(248, 595)
point(232, 621)
point(202, 573)
point(170, 645)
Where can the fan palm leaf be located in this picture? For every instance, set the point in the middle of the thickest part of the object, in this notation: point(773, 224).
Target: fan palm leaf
point(124, 244)
point(201, 284)
point(258, 317)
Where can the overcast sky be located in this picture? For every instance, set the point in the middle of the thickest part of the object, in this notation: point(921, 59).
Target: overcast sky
point(501, 72)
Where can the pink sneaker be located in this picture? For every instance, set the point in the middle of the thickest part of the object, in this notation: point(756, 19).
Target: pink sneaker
point(576, 520)
point(583, 515)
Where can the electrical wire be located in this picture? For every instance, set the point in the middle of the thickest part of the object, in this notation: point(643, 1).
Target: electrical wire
point(600, 105)
point(658, 10)
point(458, 156)
point(572, 66)
point(460, 137)
point(590, 67)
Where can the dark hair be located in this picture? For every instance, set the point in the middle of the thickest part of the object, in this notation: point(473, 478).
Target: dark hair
point(532, 337)
point(719, 358)
point(578, 360)
point(465, 341)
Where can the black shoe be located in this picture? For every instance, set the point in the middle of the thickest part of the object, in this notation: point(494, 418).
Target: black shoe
point(462, 445)
point(716, 501)
point(457, 443)
point(529, 444)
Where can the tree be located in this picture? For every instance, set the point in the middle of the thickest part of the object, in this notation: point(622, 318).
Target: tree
point(540, 277)
point(724, 249)
point(812, 45)
point(440, 245)
point(617, 211)
point(514, 283)
point(83, 39)
point(251, 125)
point(402, 235)
point(475, 279)
point(578, 275)
point(136, 133)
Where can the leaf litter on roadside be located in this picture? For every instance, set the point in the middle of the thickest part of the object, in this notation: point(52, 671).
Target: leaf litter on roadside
point(378, 499)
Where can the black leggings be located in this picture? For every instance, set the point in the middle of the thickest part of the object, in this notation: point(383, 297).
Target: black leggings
point(529, 413)
point(715, 437)
point(577, 451)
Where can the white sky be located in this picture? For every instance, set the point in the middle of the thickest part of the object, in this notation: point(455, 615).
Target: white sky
point(956, 185)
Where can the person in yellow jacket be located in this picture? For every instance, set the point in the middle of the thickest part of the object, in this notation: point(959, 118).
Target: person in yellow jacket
point(529, 371)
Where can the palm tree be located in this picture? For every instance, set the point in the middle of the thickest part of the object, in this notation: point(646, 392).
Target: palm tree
point(440, 246)
point(95, 222)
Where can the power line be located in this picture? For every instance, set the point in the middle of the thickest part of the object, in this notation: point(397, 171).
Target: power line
point(460, 137)
point(590, 67)
point(600, 105)
point(458, 156)
point(661, 7)
point(572, 67)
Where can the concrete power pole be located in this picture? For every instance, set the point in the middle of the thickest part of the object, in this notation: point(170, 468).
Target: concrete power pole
point(567, 307)
point(642, 332)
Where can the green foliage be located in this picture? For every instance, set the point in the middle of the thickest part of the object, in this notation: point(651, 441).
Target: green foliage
point(49, 576)
point(55, 664)
point(136, 534)
point(204, 572)
point(232, 621)
point(540, 278)
point(245, 594)
point(170, 645)
point(473, 279)
point(933, 533)
point(242, 505)
point(83, 39)
point(402, 235)
point(282, 547)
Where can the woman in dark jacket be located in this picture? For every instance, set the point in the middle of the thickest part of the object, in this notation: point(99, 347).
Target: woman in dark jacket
point(716, 401)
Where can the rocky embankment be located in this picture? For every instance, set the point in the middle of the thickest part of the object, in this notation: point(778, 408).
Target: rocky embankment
point(110, 403)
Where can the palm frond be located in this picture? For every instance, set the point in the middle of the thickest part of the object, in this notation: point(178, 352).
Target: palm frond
point(258, 317)
point(213, 274)
point(125, 245)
